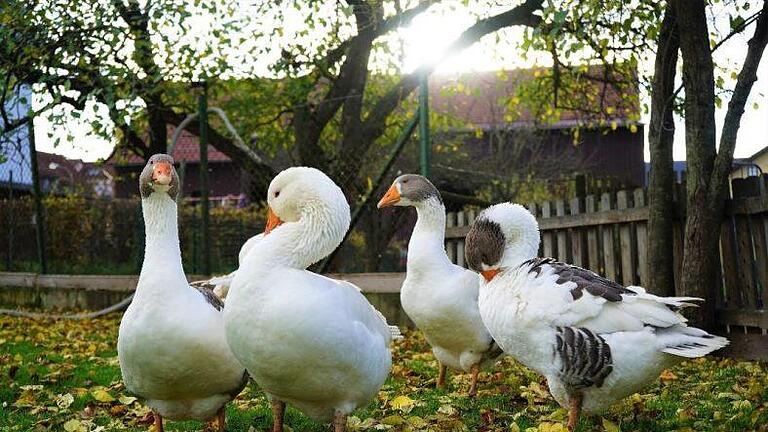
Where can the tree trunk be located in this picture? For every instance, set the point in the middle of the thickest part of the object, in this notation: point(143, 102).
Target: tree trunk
point(661, 136)
point(700, 254)
point(158, 131)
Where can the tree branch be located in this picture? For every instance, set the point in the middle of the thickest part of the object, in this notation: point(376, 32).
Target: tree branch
point(376, 122)
point(744, 82)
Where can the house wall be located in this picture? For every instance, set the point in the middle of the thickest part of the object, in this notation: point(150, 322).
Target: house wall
point(616, 153)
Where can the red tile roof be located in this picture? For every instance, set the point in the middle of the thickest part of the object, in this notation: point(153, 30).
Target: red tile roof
point(187, 149)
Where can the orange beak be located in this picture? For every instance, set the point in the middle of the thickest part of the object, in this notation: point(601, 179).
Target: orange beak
point(489, 274)
point(390, 198)
point(161, 173)
point(272, 221)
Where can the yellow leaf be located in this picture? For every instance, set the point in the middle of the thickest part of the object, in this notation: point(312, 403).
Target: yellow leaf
point(74, 425)
point(610, 426)
point(633, 128)
point(514, 428)
point(614, 125)
point(402, 403)
point(417, 422)
point(102, 395)
point(393, 420)
point(126, 400)
point(551, 427)
point(447, 410)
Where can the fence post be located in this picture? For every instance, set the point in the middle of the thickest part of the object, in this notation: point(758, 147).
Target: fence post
point(204, 205)
point(425, 153)
point(9, 257)
point(39, 217)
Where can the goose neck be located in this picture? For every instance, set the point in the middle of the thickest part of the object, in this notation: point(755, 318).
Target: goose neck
point(304, 242)
point(162, 250)
point(427, 244)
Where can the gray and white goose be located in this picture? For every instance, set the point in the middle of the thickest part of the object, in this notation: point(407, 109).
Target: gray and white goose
point(595, 340)
point(439, 296)
point(171, 343)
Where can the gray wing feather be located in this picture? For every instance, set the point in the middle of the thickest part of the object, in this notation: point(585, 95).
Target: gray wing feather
point(585, 357)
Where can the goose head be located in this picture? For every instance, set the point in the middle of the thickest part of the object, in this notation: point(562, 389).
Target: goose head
point(307, 205)
point(503, 235)
point(410, 190)
point(159, 177)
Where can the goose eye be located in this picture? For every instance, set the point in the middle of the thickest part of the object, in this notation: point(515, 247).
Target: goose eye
point(277, 194)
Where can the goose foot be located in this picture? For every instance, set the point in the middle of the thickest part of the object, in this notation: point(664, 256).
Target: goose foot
point(473, 388)
point(278, 415)
point(339, 422)
point(573, 411)
point(158, 421)
point(441, 375)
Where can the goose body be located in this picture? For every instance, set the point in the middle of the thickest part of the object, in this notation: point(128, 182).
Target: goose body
point(171, 343)
point(440, 297)
point(594, 340)
point(307, 340)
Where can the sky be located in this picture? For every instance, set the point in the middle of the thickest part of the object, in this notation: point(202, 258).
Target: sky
point(424, 39)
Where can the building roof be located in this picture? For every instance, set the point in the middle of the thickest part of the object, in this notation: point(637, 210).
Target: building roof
point(187, 149)
point(758, 153)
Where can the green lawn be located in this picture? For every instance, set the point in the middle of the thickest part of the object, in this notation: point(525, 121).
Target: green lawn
point(64, 376)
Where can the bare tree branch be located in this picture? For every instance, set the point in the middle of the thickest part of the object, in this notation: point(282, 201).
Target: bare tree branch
point(744, 82)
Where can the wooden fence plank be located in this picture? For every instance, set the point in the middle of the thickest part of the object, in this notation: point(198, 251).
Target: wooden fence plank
point(593, 245)
point(562, 240)
point(760, 238)
point(728, 258)
point(532, 207)
point(607, 234)
point(577, 237)
point(642, 239)
point(625, 242)
point(450, 244)
point(460, 221)
point(546, 236)
point(745, 261)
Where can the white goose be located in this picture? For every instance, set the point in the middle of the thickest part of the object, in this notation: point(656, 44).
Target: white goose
point(594, 340)
point(439, 296)
point(307, 340)
point(171, 343)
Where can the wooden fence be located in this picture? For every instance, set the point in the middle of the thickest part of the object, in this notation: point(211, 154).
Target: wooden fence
point(608, 234)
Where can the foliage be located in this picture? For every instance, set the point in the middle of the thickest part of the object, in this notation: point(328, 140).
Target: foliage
point(106, 236)
point(64, 375)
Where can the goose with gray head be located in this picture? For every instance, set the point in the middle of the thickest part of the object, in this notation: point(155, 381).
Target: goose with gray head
point(307, 340)
point(595, 340)
point(439, 296)
point(171, 342)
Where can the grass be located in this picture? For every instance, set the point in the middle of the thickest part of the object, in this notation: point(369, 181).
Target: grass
point(64, 375)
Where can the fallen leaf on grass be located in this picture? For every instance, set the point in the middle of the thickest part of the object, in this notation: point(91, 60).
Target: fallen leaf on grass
point(63, 401)
point(75, 425)
point(402, 403)
point(126, 400)
point(101, 395)
point(668, 375)
point(610, 426)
